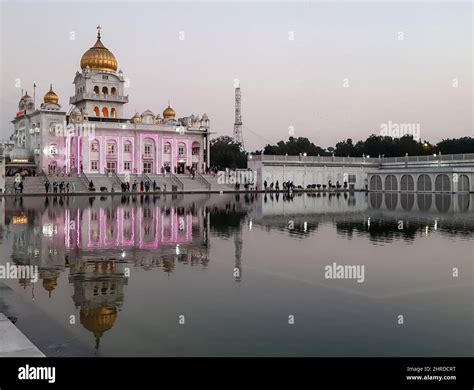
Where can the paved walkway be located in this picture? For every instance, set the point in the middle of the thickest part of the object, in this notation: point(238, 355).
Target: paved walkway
point(13, 343)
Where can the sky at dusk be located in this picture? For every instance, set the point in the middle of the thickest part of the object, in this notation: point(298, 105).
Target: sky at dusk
point(350, 68)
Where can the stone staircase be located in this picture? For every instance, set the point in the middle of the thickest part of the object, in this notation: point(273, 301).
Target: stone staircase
point(100, 180)
point(31, 184)
point(216, 186)
point(78, 183)
point(191, 184)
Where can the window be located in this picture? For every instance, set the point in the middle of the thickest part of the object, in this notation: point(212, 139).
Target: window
point(105, 77)
point(52, 128)
point(147, 167)
point(352, 178)
point(167, 149)
point(111, 148)
point(96, 89)
point(53, 149)
point(94, 165)
point(127, 147)
point(113, 113)
point(95, 146)
point(105, 112)
point(195, 150)
point(181, 150)
point(113, 91)
point(97, 111)
point(105, 90)
point(148, 150)
point(127, 165)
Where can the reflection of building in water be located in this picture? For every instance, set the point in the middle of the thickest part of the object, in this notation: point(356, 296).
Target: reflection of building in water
point(128, 227)
point(405, 201)
point(32, 247)
point(98, 292)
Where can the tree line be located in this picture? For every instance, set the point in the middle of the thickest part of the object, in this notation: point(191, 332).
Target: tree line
point(225, 153)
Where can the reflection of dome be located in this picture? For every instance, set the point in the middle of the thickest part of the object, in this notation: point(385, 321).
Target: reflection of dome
point(169, 113)
point(98, 57)
point(49, 284)
point(98, 320)
point(50, 96)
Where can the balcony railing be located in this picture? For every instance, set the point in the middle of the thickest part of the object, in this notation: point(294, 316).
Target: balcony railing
point(98, 96)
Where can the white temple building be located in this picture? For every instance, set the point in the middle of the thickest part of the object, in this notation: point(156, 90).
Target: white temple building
point(93, 136)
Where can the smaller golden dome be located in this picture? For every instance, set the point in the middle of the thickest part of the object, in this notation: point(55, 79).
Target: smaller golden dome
point(50, 96)
point(169, 113)
point(49, 284)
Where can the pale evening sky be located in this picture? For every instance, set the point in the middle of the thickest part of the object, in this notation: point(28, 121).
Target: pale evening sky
point(284, 82)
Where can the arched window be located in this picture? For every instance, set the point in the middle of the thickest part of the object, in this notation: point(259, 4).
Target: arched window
point(463, 185)
point(113, 91)
point(407, 183)
point(149, 147)
point(97, 89)
point(105, 112)
point(442, 183)
point(111, 147)
point(105, 90)
point(423, 183)
point(97, 111)
point(375, 183)
point(113, 113)
point(127, 147)
point(391, 183)
point(181, 151)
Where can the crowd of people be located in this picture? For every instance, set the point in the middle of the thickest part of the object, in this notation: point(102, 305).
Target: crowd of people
point(287, 186)
point(59, 187)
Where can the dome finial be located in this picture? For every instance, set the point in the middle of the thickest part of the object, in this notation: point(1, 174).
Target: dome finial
point(98, 31)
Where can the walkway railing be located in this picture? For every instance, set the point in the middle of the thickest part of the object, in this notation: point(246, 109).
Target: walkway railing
point(85, 180)
point(372, 160)
point(203, 180)
point(176, 181)
point(117, 179)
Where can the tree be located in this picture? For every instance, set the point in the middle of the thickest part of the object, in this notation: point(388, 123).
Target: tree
point(226, 153)
point(294, 147)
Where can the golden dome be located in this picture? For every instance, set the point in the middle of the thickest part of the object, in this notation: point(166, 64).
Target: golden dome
point(98, 320)
point(169, 113)
point(98, 57)
point(50, 96)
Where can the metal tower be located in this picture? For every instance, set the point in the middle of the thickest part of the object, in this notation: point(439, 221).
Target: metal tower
point(238, 137)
